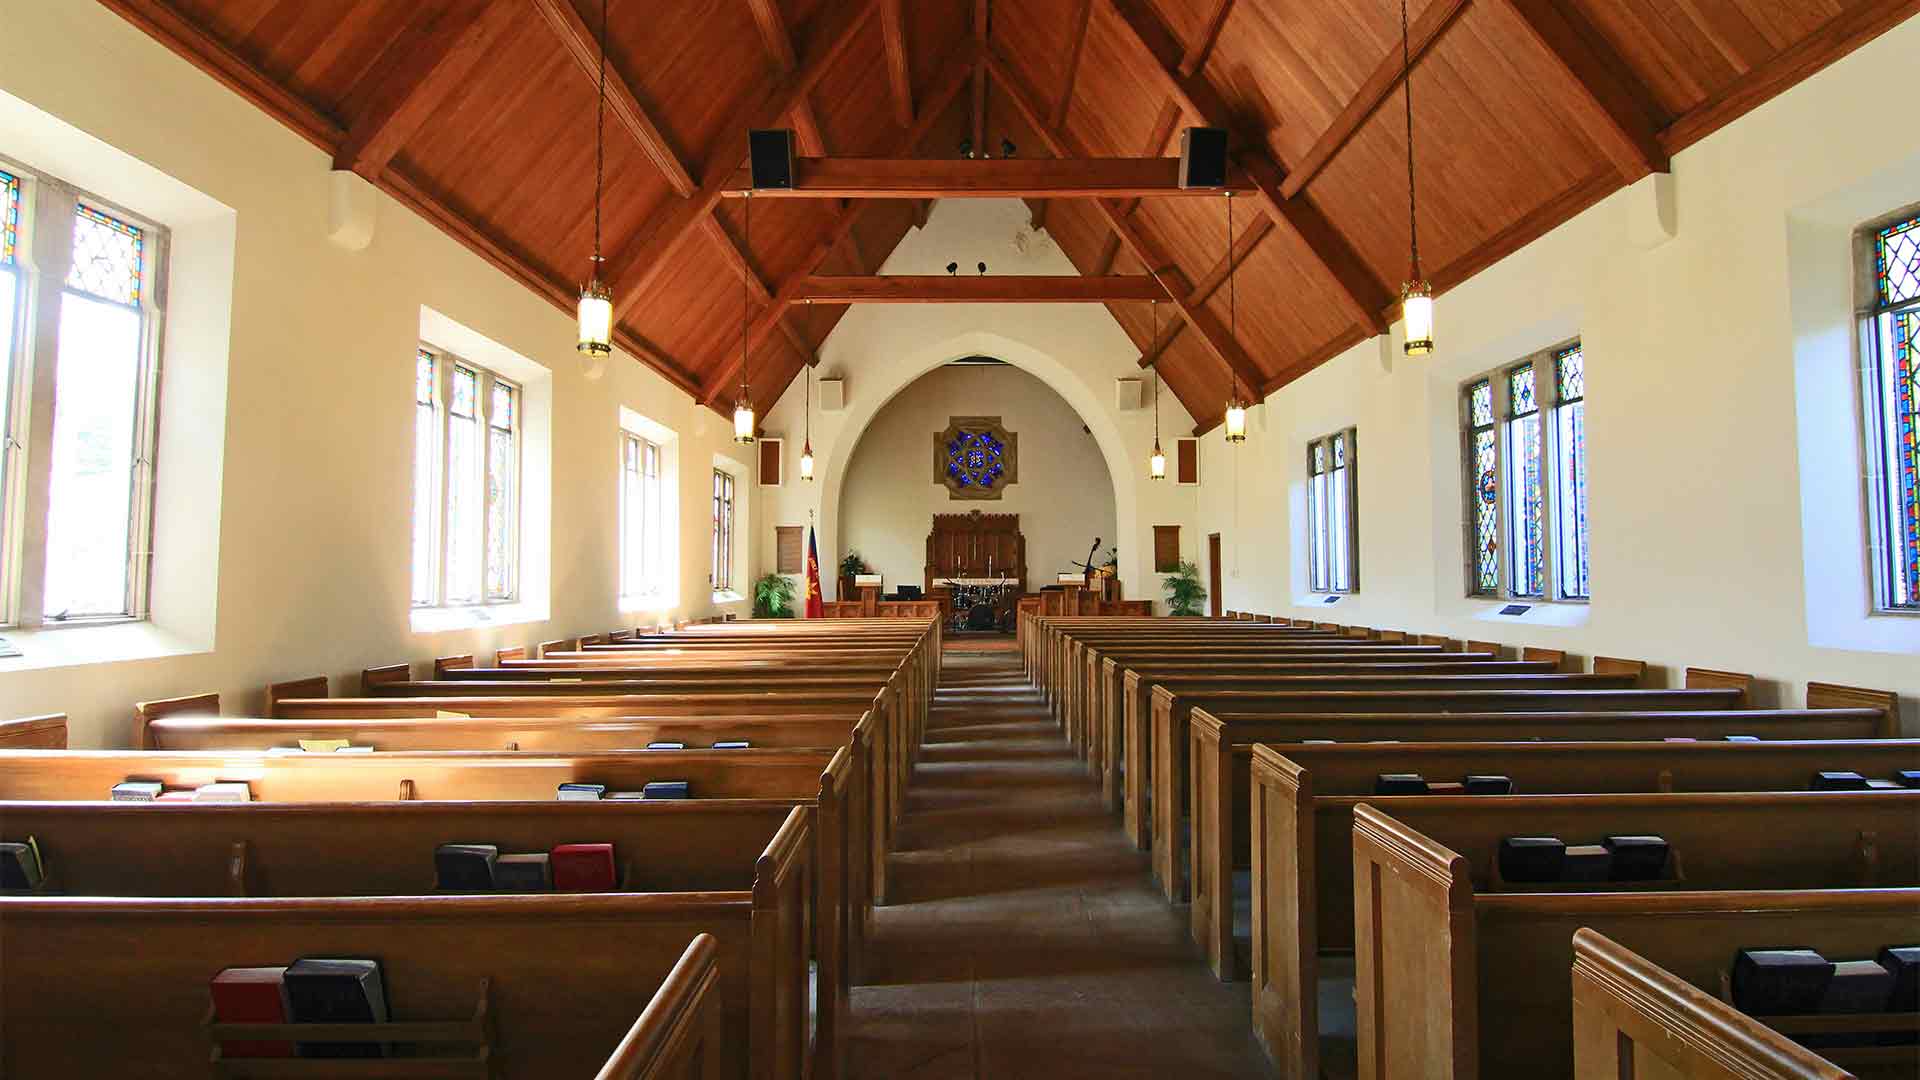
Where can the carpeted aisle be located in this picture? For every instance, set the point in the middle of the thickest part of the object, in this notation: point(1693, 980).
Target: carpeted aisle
point(1025, 938)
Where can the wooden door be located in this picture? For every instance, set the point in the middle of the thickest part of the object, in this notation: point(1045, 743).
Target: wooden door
point(1213, 574)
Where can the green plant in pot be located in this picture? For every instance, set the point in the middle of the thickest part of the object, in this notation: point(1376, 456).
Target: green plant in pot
point(773, 597)
point(852, 564)
point(1185, 594)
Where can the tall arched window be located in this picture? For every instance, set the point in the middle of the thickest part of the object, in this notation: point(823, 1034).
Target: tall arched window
point(1524, 444)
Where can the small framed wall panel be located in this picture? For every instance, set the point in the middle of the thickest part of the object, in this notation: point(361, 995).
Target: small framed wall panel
point(1186, 462)
point(789, 545)
point(772, 461)
point(1166, 549)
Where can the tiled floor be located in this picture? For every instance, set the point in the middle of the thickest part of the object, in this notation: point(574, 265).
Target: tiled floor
point(1025, 939)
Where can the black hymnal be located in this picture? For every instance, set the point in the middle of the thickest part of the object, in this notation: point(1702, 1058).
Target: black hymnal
point(1586, 862)
point(1399, 784)
point(1637, 858)
point(20, 865)
point(1525, 859)
point(1779, 982)
point(1839, 781)
point(1489, 785)
point(337, 991)
point(465, 867)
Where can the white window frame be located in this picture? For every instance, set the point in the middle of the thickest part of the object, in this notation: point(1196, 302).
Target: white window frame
point(43, 260)
point(1546, 389)
point(1892, 594)
point(445, 363)
point(726, 521)
point(1323, 539)
point(646, 584)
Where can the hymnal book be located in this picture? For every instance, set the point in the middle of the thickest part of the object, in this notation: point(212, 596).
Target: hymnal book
point(465, 867)
point(177, 796)
point(666, 746)
point(522, 873)
point(667, 789)
point(583, 868)
point(252, 995)
point(625, 796)
point(732, 744)
point(1908, 777)
point(137, 790)
point(449, 714)
point(582, 792)
point(337, 991)
point(223, 791)
point(1586, 862)
point(1838, 780)
point(322, 746)
point(1779, 982)
point(20, 866)
point(354, 750)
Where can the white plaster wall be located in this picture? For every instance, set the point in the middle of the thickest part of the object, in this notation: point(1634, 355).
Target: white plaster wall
point(1719, 370)
point(1076, 350)
point(316, 490)
point(1064, 495)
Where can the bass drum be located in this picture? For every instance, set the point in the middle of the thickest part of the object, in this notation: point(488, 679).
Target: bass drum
point(981, 617)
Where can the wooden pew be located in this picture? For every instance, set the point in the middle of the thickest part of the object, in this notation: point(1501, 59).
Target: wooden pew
point(1458, 976)
point(1301, 835)
point(1632, 1017)
point(564, 973)
point(678, 1036)
point(1174, 701)
point(34, 733)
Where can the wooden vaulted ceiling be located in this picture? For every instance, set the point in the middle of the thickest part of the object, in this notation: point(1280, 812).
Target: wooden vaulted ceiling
point(479, 115)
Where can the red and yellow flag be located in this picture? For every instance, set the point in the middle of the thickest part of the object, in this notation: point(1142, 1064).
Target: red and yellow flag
point(816, 604)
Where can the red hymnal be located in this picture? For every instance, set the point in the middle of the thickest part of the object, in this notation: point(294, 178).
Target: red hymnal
point(253, 995)
point(582, 868)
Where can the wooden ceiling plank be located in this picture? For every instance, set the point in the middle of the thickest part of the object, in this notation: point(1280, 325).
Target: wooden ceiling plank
point(725, 365)
point(415, 76)
point(1609, 109)
point(893, 26)
point(581, 42)
point(995, 178)
point(1364, 297)
point(778, 38)
point(1210, 283)
point(1201, 47)
point(1383, 81)
point(1838, 36)
point(634, 271)
point(1080, 22)
point(1063, 144)
point(160, 21)
point(966, 289)
point(735, 258)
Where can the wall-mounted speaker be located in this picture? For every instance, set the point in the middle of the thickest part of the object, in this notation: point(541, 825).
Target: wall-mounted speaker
point(1203, 158)
point(770, 158)
point(1127, 395)
point(833, 394)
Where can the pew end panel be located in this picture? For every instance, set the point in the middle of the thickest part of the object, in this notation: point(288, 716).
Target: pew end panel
point(1415, 961)
point(1556, 657)
point(784, 1026)
point(1632, 1017)
point(1286, 1000)
point(373, 679)
point(1698, 678)
point(677, 1036)
point(1822, 695)
point(501, 656)
point(48, 732)
point(146, 712)
point(444, 664)
point(1614, 665)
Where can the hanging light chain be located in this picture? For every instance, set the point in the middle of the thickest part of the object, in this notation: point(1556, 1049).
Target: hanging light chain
point(1406, 76)
point(600, 138)
point(1233, 307)
point(1156, 375)
point(746, 293)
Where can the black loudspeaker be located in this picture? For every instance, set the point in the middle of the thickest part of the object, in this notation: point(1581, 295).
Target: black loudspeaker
point(1203, 158)
point(770, 155)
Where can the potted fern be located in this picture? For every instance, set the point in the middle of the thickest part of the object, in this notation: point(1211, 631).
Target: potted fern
point(773, 597)
point(1185, 594)
point(851, 565)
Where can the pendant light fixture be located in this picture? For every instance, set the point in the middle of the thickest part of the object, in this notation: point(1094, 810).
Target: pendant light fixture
point(806, 447)
point(596, 300)
point(743, 420)
point(1157, 464)
point(1236, 419)
point(1416, 296)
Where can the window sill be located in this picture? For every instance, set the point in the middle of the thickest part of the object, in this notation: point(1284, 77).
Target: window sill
point(1538, 613)
point(646, 605)
point(445, 620)
point(103, 643)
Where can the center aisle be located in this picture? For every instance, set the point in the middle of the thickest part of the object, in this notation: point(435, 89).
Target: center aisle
point(1025, 938)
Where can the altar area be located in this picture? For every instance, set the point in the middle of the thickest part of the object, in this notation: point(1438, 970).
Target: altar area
point(976, 567)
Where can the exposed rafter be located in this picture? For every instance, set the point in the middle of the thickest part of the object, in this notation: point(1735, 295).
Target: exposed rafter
point(725, 364)
point(723, 242)
point(987, 178)
point(1063, 144)
point(779, 43)
point(582, 43)
point(1210, 283)
point(416, 75)
point(1196, 55)
point(980, 17)
point(1610, 109)
point(1002, 289)
point(893, 27)
point(635, 269)
point(1384, 80)
point(1364, 297)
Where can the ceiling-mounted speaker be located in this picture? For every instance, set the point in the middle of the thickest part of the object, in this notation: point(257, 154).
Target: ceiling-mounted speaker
point(770, 158)
point(1203, 157)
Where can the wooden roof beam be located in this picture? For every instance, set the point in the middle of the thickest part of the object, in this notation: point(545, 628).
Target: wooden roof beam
point(635, 269)
point(1196, 55)
point(987, 178)
point(1062, 143)
point(979, 126)
point(416, 74)
point(581, 43)
point(1364, 297)
point(970, 289)
point(778, 39)
point(893, 28)
point(1610, 107)
point(1065, 101)
point(737, 259)
point(1210, 283)
point(725, 366)
point(1385, 78)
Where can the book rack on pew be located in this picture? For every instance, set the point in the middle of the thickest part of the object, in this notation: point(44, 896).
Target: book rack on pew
point(1892, 1023)
point(473, 1037)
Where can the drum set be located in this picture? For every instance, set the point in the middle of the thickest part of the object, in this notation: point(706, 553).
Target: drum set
point(981, 607)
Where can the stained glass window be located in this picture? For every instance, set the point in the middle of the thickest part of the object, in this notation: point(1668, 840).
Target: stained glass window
point(1317, 575)
point(1483, 487)
point(975, 459)
point(1891, 343)
point(1570, 472)
point(108, 256)
point(1526, 495)
point(9, 217)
